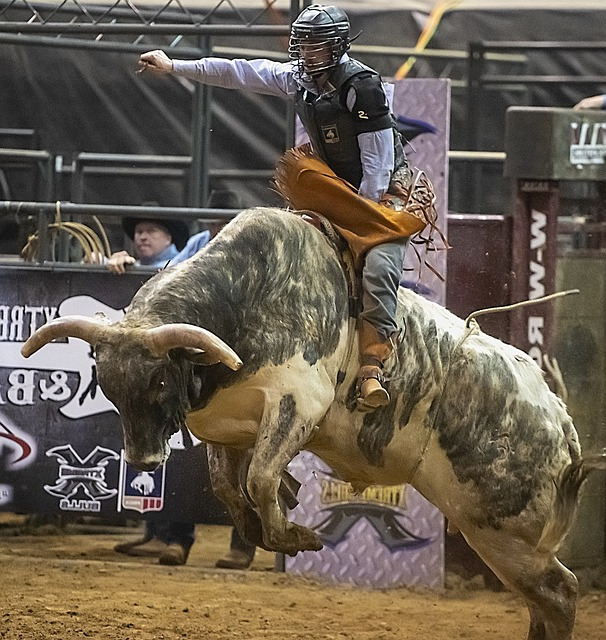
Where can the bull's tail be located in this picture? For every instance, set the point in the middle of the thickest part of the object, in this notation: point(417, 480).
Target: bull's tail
point(564, 508)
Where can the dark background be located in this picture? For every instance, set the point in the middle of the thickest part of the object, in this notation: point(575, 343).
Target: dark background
point(92, 101)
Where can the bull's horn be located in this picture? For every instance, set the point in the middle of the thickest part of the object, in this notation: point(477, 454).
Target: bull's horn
point(170, 336)
point(88, 329)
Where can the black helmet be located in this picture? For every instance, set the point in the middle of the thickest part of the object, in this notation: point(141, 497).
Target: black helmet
point(325, 27)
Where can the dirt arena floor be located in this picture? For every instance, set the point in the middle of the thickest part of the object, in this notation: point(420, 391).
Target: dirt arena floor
point(71, 584)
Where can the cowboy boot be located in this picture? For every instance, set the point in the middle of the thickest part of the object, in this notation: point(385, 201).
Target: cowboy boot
point(374, 351)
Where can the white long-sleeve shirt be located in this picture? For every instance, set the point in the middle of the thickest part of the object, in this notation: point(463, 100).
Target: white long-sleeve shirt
point(279, 79)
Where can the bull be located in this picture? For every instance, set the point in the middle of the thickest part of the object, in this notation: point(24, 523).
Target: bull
point(249, 344)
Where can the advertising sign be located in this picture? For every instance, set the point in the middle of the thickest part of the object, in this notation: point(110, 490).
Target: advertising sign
point(384, 537)
point(60, 437)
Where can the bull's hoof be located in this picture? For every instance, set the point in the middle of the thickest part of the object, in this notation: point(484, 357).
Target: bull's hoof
point(253, 531)
point(292, 540)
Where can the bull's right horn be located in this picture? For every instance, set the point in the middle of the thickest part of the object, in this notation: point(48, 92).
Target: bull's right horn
point(170, 336)
point(88, 329)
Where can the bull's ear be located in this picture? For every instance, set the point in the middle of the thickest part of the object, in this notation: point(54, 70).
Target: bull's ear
point(198, 356)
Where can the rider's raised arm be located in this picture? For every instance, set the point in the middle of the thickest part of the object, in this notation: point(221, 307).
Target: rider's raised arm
point(260, 76)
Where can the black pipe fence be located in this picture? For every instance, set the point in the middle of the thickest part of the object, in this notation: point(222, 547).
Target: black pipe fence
point(475, 179)
point(46, 212)
point(481, 79)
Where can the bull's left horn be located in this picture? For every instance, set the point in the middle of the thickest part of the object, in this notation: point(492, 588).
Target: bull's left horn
point(170, 336)
point(88, 329)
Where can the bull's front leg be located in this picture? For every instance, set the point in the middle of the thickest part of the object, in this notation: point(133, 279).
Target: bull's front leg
point(282, 434)
point(227, 467)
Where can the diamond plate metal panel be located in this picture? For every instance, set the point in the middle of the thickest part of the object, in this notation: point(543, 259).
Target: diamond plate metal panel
point(382, 545)
point(428, 99)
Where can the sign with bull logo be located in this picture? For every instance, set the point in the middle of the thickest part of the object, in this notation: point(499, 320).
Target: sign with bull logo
point(141, 491)
point(60, 437)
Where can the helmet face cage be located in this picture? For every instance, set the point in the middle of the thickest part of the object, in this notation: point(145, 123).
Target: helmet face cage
point(318, 39)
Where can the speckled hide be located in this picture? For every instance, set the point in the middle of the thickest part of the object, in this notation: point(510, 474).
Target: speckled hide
point(472, 423)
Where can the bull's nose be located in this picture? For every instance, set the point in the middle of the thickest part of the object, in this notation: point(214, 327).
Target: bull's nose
point(146, 464)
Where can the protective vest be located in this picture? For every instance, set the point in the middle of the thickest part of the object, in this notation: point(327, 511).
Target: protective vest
point(333, 129)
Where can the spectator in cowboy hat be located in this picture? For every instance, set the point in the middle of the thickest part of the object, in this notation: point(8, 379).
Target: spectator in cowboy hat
point(155, 242)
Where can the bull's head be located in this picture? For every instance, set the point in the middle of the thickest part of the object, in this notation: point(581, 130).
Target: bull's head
point(141, 371)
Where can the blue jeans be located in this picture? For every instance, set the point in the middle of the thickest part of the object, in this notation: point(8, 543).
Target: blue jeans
point(381, 275)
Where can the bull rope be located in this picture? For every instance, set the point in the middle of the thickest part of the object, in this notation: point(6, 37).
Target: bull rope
point(471, 327)
point(517, 305)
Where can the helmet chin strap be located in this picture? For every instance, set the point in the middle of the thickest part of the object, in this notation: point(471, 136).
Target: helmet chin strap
point(320, 77)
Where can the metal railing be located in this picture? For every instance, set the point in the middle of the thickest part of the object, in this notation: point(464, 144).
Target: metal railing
point(46, 212)
point(188, 33)
point(106, 27)
point(41, 161)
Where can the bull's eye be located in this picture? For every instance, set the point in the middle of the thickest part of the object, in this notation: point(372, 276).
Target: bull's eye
point(162, 384)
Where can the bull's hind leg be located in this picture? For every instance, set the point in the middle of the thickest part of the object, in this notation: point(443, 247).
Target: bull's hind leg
point(548, 587)
point(282, 433)
point(551, 597)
